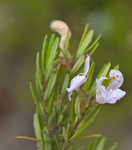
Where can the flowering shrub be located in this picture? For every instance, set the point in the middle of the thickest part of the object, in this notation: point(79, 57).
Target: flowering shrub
point(66, 96)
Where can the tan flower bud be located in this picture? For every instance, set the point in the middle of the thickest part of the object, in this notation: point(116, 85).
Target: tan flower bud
point(62, 29)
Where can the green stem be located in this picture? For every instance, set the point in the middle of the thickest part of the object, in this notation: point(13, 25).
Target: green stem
point(77, 123)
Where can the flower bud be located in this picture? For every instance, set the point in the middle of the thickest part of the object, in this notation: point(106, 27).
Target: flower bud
point(62, 29)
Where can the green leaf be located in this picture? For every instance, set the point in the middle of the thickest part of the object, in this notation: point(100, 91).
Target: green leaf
point(38, 132)
point(58, 144)
point(68, 128)
point(89, 78)
point(106, 82)
point(85, 123)
point(65, 83)
point(90, 136)
point(92, 146)
point(113, 147)
point(52, 116)
point(116, 67)
point(37, 126)
point(67, 43)
point(59, 102)
point(50, 101)
point(50, 86)
point(48, 51)
point(47, 141)
point(84, 34)
point(51, 54)
point(60, 119)
point(78, 64)
point(64, 110)
point(43, 61)
point(53, 51)
point(103, 72)
point(73, 114)
point(77, 107)
point(94, 49)
point(33, 93)
point(94, 43)
point(101, 144)
point(38, 75)
point(48, 72)
point(65, 134)
point(85, 43)
point(39, 107)
point(27, 138)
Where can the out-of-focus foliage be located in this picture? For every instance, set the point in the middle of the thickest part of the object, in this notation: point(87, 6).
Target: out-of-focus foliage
point(22, 28)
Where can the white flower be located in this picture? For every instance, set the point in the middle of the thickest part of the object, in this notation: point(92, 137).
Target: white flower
point(78, 80)
point(62, 29)
point(112, 93)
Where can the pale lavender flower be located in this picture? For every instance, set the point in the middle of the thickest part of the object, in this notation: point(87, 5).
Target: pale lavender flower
point(78, 80)
point(112, 93)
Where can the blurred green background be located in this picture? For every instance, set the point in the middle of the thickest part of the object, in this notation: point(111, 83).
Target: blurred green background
point(23, 25)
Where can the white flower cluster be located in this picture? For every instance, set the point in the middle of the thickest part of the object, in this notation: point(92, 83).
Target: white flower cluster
point(110, 94)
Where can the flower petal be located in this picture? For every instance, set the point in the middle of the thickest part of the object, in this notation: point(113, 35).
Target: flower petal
point(76, 82)
point(115, 95)
point(69, 96)
point(117, 81)
point(101, 92)
point(87, 65)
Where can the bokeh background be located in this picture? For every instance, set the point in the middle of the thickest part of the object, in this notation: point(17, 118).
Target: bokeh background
point(23, 25)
